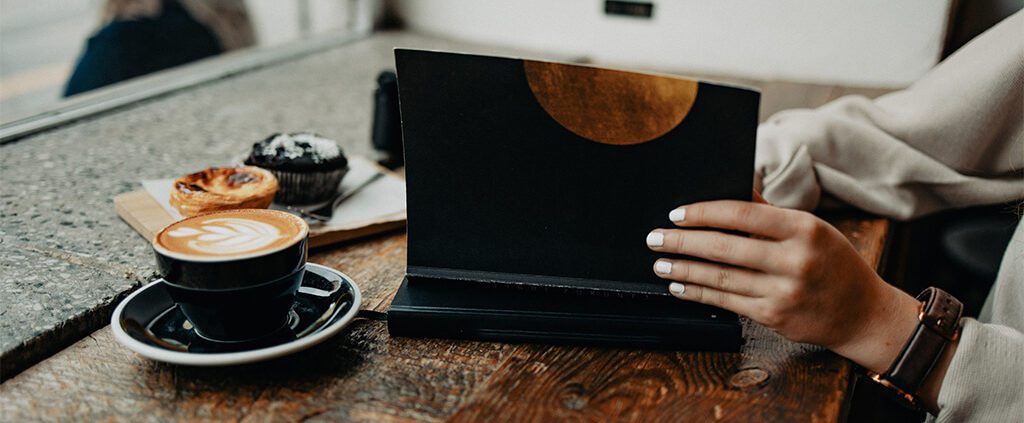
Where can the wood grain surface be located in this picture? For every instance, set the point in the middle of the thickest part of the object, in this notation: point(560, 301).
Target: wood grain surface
point(365, 375)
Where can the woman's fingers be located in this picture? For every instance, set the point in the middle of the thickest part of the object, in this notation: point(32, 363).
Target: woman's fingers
point(753, 218)
point(722, 278)
point(733, 302)
point(716, 246)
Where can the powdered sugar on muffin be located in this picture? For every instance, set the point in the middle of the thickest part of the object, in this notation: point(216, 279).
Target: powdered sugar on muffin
point(292, 146)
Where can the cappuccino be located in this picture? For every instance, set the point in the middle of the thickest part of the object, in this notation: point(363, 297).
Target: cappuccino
point(234, 273)
point(230, 234)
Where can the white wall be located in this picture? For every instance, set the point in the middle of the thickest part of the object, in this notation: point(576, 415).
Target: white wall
point(880, 43)
point(278, 22)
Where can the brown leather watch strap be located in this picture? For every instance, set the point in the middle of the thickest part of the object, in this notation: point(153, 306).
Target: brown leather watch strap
point(939, 323)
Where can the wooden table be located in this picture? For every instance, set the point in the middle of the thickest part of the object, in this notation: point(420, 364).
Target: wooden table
point(363, 374)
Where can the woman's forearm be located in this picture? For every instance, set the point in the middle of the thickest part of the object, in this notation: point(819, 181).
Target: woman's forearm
point(883, 331)
point(884, 336)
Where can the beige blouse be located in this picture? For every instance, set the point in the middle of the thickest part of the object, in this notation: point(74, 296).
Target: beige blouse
point(953, 139)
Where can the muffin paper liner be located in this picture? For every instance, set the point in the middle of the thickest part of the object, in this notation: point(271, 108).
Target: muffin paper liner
point(307, 188)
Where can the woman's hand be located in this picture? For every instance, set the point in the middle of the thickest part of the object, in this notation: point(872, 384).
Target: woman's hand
point(798, 275)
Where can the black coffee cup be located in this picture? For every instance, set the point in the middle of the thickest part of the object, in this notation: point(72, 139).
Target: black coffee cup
point(234, 296)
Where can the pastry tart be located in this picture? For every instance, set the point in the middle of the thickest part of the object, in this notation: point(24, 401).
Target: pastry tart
point(223, 188)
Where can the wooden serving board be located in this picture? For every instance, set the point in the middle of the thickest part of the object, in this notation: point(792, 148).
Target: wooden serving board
point(147, 217)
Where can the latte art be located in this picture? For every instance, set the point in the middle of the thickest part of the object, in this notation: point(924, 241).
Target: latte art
point(229, 235)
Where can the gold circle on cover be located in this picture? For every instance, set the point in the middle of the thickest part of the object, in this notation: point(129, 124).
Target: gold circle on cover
point(610, 106)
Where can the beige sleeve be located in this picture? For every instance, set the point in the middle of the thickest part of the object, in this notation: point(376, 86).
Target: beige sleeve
point(985, 380)
point(953, 139)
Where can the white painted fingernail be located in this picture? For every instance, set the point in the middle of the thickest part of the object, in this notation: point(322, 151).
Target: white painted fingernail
point(655, 239)
point(663, 267)
point(677, 215)
point(677, 289)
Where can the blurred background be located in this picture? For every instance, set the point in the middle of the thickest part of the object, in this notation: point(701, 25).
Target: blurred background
point(42, 41)
point(50, 49)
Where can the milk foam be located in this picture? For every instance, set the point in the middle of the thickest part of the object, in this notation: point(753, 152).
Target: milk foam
point(227, 235)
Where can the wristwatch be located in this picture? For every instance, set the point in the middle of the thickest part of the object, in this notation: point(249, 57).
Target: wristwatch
point(938, 325)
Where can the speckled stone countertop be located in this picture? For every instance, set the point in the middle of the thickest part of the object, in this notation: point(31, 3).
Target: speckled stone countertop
point(66, 258)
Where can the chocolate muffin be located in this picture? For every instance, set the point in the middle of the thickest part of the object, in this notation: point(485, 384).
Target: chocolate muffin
point(308, 167)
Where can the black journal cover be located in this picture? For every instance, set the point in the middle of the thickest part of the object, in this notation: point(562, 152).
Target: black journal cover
point(526, 172)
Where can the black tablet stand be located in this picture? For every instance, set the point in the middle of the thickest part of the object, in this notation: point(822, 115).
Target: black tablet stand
point(492, 312)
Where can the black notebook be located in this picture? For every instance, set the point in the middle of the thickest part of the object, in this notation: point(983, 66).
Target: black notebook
point(531, 188)
point(537, 173)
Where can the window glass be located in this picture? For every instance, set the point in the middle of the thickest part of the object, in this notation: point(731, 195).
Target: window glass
point(55, 49)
